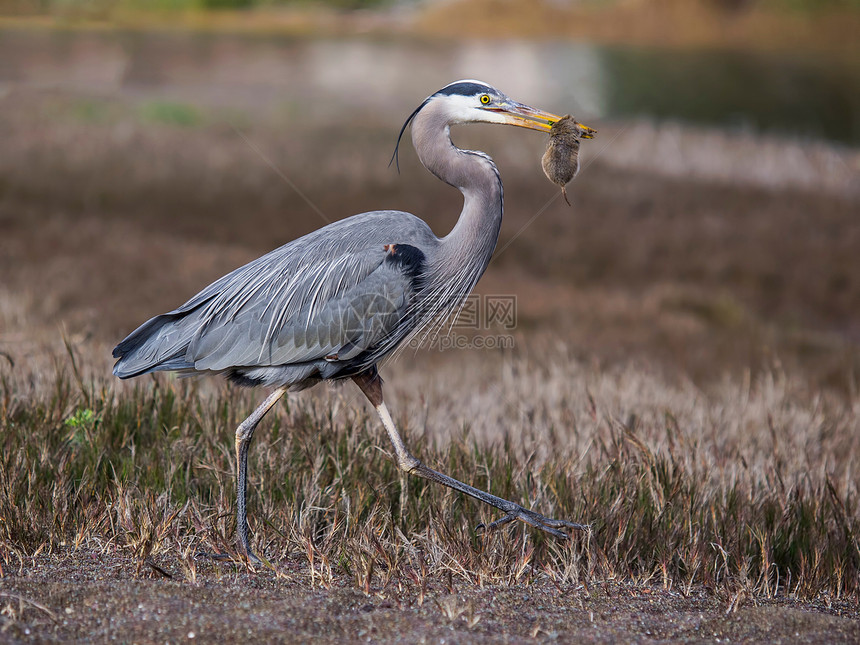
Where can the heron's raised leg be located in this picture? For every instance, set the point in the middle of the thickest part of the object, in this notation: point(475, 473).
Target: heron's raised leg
point(371, 384)
point(244, 433)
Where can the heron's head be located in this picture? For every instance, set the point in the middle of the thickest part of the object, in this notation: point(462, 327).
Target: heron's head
point(471, 101)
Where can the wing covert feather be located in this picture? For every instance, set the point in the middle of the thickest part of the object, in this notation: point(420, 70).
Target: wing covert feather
point(320, 304)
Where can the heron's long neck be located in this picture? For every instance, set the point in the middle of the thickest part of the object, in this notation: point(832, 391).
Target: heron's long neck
point(466, 251)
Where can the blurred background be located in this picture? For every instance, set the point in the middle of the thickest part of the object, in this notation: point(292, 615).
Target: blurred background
point(147, 148)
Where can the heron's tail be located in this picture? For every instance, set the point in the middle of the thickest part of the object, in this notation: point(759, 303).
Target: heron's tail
point(157, 345)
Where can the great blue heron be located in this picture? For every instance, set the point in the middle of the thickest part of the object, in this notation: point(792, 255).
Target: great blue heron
point(332, 304)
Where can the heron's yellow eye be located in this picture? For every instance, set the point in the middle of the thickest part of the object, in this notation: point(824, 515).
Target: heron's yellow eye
point(485, 99)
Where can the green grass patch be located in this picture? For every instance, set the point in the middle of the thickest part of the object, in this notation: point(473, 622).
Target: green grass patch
point(91, 111)
point(171, 113)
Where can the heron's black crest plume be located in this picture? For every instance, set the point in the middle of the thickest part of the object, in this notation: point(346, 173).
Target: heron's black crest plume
point(395, 159)
point(466, 88)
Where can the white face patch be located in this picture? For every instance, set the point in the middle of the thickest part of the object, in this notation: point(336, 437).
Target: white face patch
point(469, 109)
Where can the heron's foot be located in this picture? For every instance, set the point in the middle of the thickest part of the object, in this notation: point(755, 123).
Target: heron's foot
point(244, 546)
point(546, 524)
point(208, 555)
point(225, 557)
point(252, 557)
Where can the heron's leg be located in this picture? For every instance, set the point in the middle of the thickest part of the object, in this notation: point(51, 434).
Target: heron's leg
point(404, 495)
point(243, 438)
point(371, 384)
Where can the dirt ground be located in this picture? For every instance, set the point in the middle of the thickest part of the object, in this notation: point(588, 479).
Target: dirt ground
point(81, 596)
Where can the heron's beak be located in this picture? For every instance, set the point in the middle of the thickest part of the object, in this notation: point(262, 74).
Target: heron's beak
point(524, 116)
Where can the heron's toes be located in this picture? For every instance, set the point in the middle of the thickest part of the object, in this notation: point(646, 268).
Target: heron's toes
point(226, 557)
point(209, 555)
point(492, 526)
point(546, 524)
point(574, 526)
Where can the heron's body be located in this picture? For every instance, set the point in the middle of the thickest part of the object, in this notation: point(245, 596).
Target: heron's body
point(324, 306)
point(332, 304)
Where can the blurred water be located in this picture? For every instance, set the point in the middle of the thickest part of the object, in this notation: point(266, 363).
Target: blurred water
point(382, 80)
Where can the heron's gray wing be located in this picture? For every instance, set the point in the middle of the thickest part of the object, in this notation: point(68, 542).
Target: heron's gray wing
point(245, 309)
point(264, 305)
point(334, 323)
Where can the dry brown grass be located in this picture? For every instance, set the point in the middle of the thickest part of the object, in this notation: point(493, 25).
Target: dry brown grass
point(746, 492)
